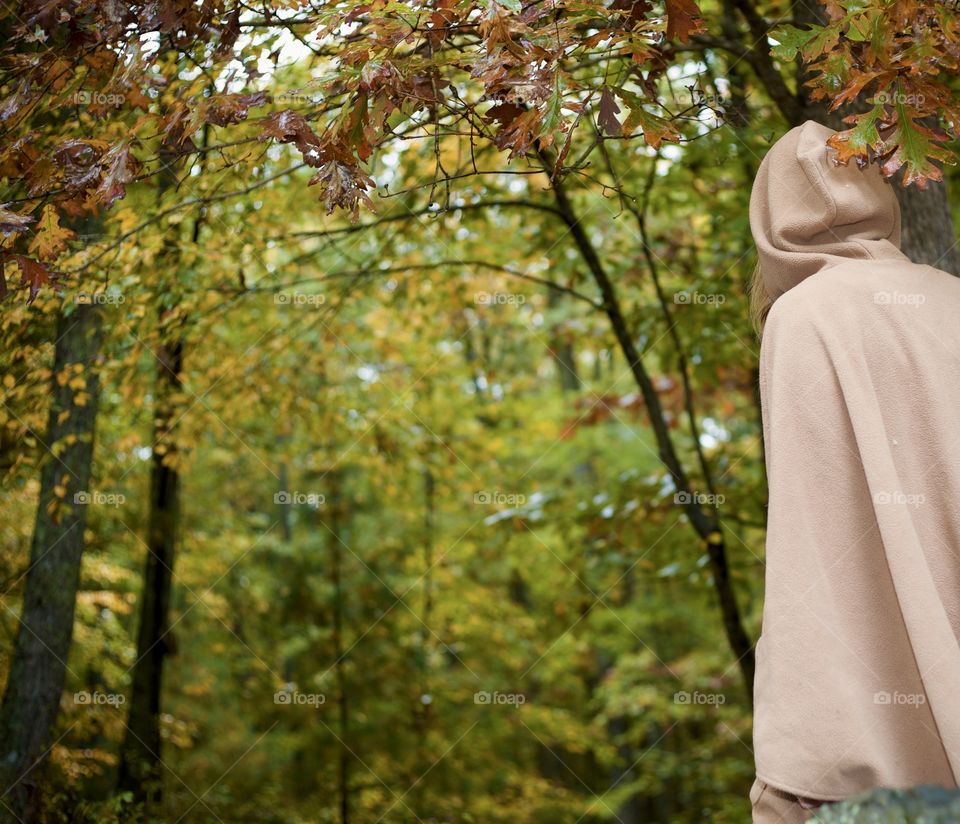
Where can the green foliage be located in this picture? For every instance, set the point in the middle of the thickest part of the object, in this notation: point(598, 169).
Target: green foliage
point(549, 561)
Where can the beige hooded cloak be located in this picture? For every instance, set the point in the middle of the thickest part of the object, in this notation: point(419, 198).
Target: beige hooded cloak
point(858, 664)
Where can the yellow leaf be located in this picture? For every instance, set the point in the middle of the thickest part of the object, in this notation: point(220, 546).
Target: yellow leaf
point(51, 238)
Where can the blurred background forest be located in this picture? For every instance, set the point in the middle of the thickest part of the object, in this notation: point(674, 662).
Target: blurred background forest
point(428, 493)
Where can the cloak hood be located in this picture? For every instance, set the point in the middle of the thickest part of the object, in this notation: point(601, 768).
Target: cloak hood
point(807, 212)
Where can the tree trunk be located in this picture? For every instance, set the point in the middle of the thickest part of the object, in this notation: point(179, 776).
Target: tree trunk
point(141, 767)
point(140, 764)
point(706, 523)
point(333, 520)
point(928, 235)
point(562, 351)
point(38, 670)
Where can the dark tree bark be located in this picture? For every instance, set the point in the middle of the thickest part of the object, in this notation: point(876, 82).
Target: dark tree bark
point(38, 670)
point(928, 235)
point(140, 764)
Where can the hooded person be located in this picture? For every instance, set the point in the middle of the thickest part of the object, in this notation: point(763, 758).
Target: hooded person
point(858, 662)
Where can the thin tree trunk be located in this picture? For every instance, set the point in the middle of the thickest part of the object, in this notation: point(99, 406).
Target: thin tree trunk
point(422, 709)
point(334, 521)
point(38, 670)
point(562, 351)
point(284, 511)
point(705, 523)
point(140, 764)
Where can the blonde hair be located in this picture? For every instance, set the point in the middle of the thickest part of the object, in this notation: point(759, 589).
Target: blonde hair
point(760, 302)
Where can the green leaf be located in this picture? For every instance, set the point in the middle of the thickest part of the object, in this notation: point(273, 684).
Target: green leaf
point(551, 114)
point(865, 135)
point(788, 40)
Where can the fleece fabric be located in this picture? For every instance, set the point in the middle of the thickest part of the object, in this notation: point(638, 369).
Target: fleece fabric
point(858, 662)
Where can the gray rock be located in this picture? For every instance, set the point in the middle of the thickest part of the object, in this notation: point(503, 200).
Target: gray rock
point(919, 805)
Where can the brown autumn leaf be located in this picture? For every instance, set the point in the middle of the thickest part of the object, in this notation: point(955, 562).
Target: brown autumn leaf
point(136, 99)
point(33, 274)
point(119, 170)
point(228, 109)
point(79, 162)
point(503, 113)
point(519, 134)
point(343, 186)
point(288, 126)
point(178, 127)
point(683, 19)
point(858, 82)
point(635, 11)
point(833, 9)
point(607, 116)
point(498, 29)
